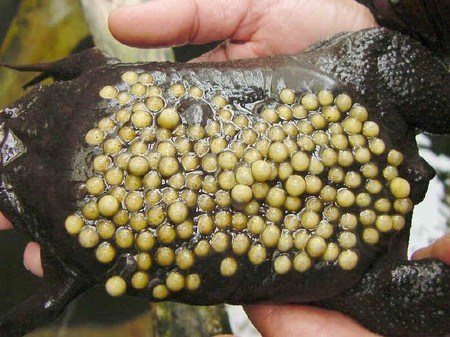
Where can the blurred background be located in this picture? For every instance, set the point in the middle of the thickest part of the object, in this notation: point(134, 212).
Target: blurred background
point(45, 30)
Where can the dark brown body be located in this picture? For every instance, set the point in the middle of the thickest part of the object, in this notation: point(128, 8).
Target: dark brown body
point(43, 183)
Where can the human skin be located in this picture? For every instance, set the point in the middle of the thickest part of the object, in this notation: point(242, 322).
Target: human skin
point(249, 28)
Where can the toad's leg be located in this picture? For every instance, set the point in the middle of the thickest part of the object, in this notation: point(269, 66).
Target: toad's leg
point(66, 69)
point(60, 286)
point(407, 298)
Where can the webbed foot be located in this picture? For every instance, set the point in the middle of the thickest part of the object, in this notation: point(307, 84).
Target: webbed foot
point(62, 70)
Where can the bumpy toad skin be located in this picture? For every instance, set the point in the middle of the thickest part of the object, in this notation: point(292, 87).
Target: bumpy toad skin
point(286, 179)
point(425, 20)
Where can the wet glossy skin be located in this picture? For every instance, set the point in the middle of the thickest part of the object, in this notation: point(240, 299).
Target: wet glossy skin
point(60, 157)
point(81, 169)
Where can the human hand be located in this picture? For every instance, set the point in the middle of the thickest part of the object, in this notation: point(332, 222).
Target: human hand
point(251, 28)
point(302, 320)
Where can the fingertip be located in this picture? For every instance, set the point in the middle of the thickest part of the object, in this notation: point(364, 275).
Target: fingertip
point(164, 23)
point(135, 25)
point(5, 224)
point(119, 24)
point(113, 19)
point(421, 253)
point(32, 259)
point(440, 249)
point(151, 24)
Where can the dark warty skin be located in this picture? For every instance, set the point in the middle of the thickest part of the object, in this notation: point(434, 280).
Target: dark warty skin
point(288, 179)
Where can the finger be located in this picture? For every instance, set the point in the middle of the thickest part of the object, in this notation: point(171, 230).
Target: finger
point(296, 321)
point(161, 23)
point(5, 223)
point(276, 28)
point(32, 259)
point(233, 51)
point(439, 250)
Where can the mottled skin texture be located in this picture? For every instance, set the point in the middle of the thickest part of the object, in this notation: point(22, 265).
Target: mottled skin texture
point(400, 297)
point(388, 77)
point(425, 20)
point(373, 66)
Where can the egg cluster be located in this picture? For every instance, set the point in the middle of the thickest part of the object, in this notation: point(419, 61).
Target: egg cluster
point(306, 178)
